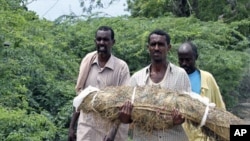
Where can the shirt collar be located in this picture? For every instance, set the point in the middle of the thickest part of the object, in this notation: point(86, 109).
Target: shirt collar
point(169, 68)
point(204, 83)
point(110, 64)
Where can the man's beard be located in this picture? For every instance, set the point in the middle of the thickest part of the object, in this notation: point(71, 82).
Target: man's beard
point(187, 69)
point(157, 58)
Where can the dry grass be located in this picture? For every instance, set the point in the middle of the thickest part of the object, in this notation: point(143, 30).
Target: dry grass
point(151, 104)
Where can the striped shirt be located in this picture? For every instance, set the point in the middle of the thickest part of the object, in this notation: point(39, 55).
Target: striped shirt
point(176, 79)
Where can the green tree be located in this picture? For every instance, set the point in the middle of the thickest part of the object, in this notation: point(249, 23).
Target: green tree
point(19, 126)
point(206, 10)
point(39, 61)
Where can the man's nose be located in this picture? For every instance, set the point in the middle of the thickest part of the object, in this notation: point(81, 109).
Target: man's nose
point(184, 62)
point(156, 47)
point(101, 41)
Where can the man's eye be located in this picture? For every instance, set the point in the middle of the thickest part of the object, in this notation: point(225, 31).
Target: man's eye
point(104, 39)
point(152, 44)
point(159, 44)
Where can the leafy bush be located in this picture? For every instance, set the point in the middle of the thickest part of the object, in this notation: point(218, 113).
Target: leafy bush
point(19, 126)
point(39, 61)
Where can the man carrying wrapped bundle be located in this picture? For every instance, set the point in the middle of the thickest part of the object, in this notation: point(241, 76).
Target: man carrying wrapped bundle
point(202, 82)
point(99, 69)
point(161, 73)
point(148, 115)
point(159, 93)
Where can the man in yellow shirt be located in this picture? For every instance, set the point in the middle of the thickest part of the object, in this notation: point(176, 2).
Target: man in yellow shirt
point(202, 83)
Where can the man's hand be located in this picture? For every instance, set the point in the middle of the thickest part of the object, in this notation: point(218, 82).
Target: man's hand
point(125, 112)
point(72, 133)
point(177, 117)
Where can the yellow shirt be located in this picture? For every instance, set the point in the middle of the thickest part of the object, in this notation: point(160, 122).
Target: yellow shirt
point(209, 89)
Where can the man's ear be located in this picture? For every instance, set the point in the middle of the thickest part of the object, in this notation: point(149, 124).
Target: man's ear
point(169, 47)
point(196, 57)
point(147, 46)
point(113, 41)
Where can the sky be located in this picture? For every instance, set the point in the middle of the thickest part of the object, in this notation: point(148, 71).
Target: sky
point(52, 9)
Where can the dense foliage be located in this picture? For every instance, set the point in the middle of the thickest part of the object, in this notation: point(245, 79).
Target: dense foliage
point(19, 126)
point(39, 62)
point(206, 10)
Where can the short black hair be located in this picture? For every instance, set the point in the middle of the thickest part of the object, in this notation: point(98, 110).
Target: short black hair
point(107, 28)
point(162, 33)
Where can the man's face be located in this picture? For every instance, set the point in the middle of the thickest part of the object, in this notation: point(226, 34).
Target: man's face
point(187, 60)
point(103, 41)
point(158, 47)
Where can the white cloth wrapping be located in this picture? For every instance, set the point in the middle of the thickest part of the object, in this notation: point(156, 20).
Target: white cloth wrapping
point(79, 98)
point(205, 101)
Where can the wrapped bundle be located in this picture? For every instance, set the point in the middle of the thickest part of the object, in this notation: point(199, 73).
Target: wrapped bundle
point(153, 106)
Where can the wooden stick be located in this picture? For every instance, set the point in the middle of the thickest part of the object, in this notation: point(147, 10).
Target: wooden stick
point(112, 132)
